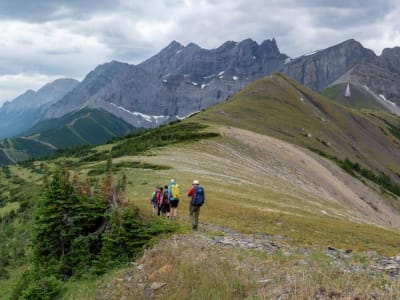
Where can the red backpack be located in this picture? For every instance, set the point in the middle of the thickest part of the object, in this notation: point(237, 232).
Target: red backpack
point(158, 197)
point(165, 199)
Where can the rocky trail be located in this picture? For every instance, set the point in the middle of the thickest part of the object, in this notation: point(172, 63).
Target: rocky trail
point(141, 279)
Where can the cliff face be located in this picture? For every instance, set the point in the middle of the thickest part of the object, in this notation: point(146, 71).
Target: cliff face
point(320, 69)
point(181, 80)
point(351, 62)
point(174, 83)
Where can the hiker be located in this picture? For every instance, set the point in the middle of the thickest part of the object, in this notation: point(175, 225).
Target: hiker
point(173, 193)
point(153, 200)
point(165, 206)
point(197, 200)
point(159, 196)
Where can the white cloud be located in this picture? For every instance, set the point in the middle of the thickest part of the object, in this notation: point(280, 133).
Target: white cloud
point(17, 83)
point(48, 48)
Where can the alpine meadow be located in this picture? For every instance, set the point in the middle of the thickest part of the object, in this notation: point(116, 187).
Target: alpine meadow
point(297, 161)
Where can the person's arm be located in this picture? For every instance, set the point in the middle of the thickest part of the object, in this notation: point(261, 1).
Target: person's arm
point(170, 191)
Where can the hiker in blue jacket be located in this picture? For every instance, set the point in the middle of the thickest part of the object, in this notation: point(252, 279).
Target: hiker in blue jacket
point(197, 200)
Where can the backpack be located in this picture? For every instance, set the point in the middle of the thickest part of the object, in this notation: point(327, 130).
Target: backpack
point(165, 199)
point(175, 191)
point(154, 197)
point(198, 199)
point(158, 197)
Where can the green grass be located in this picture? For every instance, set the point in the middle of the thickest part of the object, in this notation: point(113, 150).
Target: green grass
point(155, 138)
point(100, 169)
point(6, 210)
point(247, 191)
point(205, 271)
point(359, 99)
point(309, 231)
point(303, 218)
point(279, 107)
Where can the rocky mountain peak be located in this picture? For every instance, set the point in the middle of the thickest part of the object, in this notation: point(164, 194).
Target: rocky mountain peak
point(320, 69)
point(192, 46)
point(173, 45)
point(177, 81)
point(390, 59)
point(270, 46)
point(226, 46)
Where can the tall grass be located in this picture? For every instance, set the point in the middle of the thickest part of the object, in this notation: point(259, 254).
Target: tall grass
point(190, 267)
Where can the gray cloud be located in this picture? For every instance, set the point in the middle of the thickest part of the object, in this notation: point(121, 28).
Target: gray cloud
point(47, 38)
point(44, 10)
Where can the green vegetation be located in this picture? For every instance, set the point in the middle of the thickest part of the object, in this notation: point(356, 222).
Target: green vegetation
point(77, 232)
point(205, 271)
point(394, 129)
point(101, 168)
point(359, 99)
point(155, 138)
point(78, 239)
point(88, 126)
point(355, 169)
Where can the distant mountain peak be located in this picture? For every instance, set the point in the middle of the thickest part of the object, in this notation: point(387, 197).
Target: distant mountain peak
point(192, 45)
point(174, 44)
point(172, 47)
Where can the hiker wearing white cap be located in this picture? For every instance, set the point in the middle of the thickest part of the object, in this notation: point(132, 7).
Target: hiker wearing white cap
point(173, 193)
point(197, 200)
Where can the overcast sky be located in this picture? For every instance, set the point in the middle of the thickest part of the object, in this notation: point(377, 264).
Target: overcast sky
point(41, 40)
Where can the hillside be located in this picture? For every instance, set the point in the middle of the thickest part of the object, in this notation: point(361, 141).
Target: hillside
point(360, 98)
point(278, 106)
point(24, 111)
point(273, 206)
point(85, 127)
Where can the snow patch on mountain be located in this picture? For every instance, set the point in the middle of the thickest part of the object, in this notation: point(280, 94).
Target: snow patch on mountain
point(388, 101)
point(148, 118)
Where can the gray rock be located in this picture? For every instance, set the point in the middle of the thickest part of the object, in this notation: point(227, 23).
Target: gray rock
point(322, 68)
point(175, 83)
point(157, 285)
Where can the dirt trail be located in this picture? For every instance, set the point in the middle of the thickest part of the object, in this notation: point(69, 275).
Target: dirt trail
point(322, 174)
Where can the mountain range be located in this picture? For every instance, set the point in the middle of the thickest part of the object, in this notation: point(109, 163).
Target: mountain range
point(24, 111)
point(182, 80)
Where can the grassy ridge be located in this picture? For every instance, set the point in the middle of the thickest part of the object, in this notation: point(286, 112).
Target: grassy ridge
point(279, 107)
point(359, 99)
point(155, 138)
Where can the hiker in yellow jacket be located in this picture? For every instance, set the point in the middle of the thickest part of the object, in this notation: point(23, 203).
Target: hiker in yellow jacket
point(174, 192)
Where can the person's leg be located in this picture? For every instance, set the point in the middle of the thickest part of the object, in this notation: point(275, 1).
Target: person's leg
point(196, 217)
point(176, 209)
point(191, 214)
point(168, 210)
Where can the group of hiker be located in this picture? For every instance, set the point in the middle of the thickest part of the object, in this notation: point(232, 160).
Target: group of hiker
point(165, 201)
